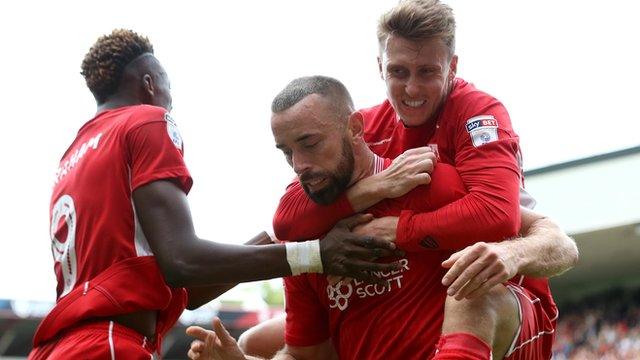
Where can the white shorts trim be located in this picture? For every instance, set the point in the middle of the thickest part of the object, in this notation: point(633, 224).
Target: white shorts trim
point(513, 347)
point(111, 347)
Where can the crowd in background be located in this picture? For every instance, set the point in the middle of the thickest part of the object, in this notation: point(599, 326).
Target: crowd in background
point(605, 326)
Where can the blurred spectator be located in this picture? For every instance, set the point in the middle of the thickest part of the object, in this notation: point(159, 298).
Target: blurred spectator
point(605, 326)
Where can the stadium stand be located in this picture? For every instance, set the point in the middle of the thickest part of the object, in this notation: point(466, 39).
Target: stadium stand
point(606, 326)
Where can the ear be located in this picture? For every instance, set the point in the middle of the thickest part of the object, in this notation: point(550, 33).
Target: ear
point(453, 67)
point(380, 67)
point(148, 85)
point(356, 125)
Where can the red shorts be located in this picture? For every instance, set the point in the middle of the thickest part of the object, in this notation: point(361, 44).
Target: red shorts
point(535, 334)
point(96, 340)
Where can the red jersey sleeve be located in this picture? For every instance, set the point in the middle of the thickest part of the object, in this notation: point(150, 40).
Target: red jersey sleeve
point(307, 321)
point(486, 151)
point(155, 153)
point(299, 218)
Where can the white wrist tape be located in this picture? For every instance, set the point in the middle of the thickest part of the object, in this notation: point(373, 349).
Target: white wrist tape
point(304, 257)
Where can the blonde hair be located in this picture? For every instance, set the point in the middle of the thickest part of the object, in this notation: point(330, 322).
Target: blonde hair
point(419, 20)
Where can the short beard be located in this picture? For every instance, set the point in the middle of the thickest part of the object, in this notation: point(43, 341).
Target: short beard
point(338, 180)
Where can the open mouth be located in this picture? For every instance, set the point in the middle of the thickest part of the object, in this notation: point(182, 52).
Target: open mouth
point(316, 183)
point(413, 103)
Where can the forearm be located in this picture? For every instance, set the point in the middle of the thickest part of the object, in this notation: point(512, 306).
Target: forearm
point(544, 250)
point(366, 193)
point(299, 218)
point(203, 262)
point(486, 215)
point(201, 295)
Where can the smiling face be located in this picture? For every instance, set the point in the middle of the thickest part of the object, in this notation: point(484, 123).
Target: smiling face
point(418, 75)
point(316, 144)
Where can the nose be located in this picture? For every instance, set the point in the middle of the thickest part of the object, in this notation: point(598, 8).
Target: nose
point(300, 164)
point(412, 86)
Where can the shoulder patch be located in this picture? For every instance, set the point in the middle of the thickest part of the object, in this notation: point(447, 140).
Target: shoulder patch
point(172, 130)
point(168, 118)
point(483, 129)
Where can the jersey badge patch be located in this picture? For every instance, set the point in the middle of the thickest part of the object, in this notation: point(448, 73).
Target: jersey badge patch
point(172, 130)
point(483, 129)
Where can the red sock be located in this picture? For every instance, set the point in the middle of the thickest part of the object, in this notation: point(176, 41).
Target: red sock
point(461, 346)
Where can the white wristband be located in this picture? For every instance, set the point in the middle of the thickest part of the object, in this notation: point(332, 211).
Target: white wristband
point(304, 257)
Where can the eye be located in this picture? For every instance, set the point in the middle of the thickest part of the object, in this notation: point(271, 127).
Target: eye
point(427, 71)
point(398, 72)
point(311, 145)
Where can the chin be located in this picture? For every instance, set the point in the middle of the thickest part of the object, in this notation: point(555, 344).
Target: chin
point(413, 121)
point(324, 196)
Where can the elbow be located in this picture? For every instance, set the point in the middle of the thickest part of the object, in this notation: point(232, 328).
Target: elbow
point(507, 224)
point(281, 227)
point(511, 220)
point(174, 278)
point(175, 271)
point(511, 225)
point(195, 303)
point(573, 254)
point(282, 230)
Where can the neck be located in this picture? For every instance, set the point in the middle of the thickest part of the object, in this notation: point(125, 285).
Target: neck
point(364, 162)
point(117, 102)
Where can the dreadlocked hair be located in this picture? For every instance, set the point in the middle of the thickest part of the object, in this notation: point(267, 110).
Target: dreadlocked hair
point(104, 64)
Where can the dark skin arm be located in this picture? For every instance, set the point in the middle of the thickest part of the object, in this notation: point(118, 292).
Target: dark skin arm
point(188, 261)
point(201, 295)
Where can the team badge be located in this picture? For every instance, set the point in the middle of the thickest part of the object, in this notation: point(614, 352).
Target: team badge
point(172, 129)
point(483, 129)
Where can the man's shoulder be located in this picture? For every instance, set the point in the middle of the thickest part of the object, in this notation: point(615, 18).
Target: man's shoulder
point(129, 117)
point(141, 114)
point(382, 110)
point(466, 102)
point(464, 92)
point(379, 121)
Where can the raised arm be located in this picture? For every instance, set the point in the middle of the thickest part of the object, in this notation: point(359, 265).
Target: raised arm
point(542, 250)
point(486, 157)
point(298, 217)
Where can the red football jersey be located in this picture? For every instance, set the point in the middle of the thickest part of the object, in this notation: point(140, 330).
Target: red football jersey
point(473, 132)
point(399, 320)
point(96, 239)
point(93, 221)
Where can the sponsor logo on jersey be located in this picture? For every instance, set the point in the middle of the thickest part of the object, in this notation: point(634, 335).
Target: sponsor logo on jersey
point(340, 293)
point(482, 129)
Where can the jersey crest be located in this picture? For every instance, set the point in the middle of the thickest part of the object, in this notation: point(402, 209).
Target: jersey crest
point(483, 129)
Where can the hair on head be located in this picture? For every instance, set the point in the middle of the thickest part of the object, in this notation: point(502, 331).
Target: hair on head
point(104, 64)
point(302, 87)
point(419, 20)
